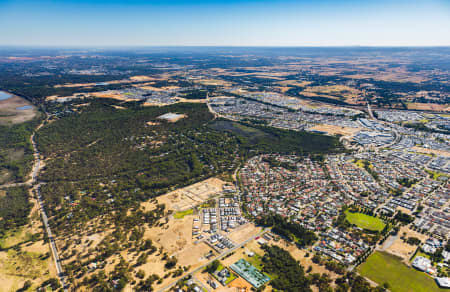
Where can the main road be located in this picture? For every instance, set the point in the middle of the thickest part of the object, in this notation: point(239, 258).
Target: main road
point(36, 188)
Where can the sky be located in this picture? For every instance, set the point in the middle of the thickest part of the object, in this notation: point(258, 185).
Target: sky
point(102, 23)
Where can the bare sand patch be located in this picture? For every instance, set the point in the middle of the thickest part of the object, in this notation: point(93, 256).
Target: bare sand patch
point(182, 99)
point(239, 284)
point(294, 83)
point(152, 88)
point(174, 236)
point(402, 249)
point(119, 107)
point(190, 196)
point(431, 151)
point(244, 232)
point(336, 130)
point(429, 107)
point(213, 82)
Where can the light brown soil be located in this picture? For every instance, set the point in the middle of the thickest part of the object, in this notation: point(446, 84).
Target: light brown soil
point(192, 195)
point(242, 233)
point(9, 114)
point(402, 249)
point(429, 107)
point(336, 130)
point(431, 151)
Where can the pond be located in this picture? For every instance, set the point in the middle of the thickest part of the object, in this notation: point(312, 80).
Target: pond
point(4, 95)
point(25, 107)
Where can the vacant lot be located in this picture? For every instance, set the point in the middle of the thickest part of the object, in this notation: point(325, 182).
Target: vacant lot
point(401, 248)
point(386, 268)
point(244, 232)
point(431, 151)
point(190, 196)
point(365, 221)
point(336, 130)
point(428, 107)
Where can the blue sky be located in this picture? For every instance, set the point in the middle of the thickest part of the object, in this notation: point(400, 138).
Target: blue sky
point(225, 23)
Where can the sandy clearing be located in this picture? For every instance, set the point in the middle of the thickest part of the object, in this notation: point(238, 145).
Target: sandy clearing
point(213, 82)
point(174, 236)
point(188, 197)
point(429, 107)
point(402, 249)
point(336, 130)
point(294, 83)
point(242, 233)
point(119, 107)
point(431, 151)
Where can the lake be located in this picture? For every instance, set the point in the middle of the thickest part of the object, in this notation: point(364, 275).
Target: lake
point(25, 107)
point(4, 95)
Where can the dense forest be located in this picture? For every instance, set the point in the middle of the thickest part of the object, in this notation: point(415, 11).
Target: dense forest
point(289, 230)
point(14, 208)
point(16, 151)
point(290, 276)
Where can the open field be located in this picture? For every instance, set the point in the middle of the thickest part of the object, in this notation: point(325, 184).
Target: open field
point(244, 232)
point(213, 82)
point(402, 249)
point(428, 107)
point(385, 268)
point(336, 130)
point(339, 92)
point(294, 83)
point(192, 195)
point(365, 221)
point(16, 110)
point(110, 94)
point(181, 214)
point(122, 81)
point(431, 151)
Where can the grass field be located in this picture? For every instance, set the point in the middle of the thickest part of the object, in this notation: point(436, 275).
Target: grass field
point(386, 268)
point(181, 214)
point(365, 221)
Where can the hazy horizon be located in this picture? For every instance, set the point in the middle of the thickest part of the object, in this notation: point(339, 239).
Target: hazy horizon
point(218, 23)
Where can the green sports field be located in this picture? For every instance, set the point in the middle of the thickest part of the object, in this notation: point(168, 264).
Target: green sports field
point(365, 221)
point(181, 214)
point(383, 267)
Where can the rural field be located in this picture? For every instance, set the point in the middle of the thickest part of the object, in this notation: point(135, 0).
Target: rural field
point(382, 268)
point(365, 221)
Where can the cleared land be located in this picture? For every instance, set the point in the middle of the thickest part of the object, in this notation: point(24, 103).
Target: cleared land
point(428, 107)
point(401, 248)
point(365, 221)
point(431, 151)
point(382, 268)
point(336, 130)
point(192, 195)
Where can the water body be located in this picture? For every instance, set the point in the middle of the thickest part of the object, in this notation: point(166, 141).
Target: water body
point(25, 107)
point(4, 95)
